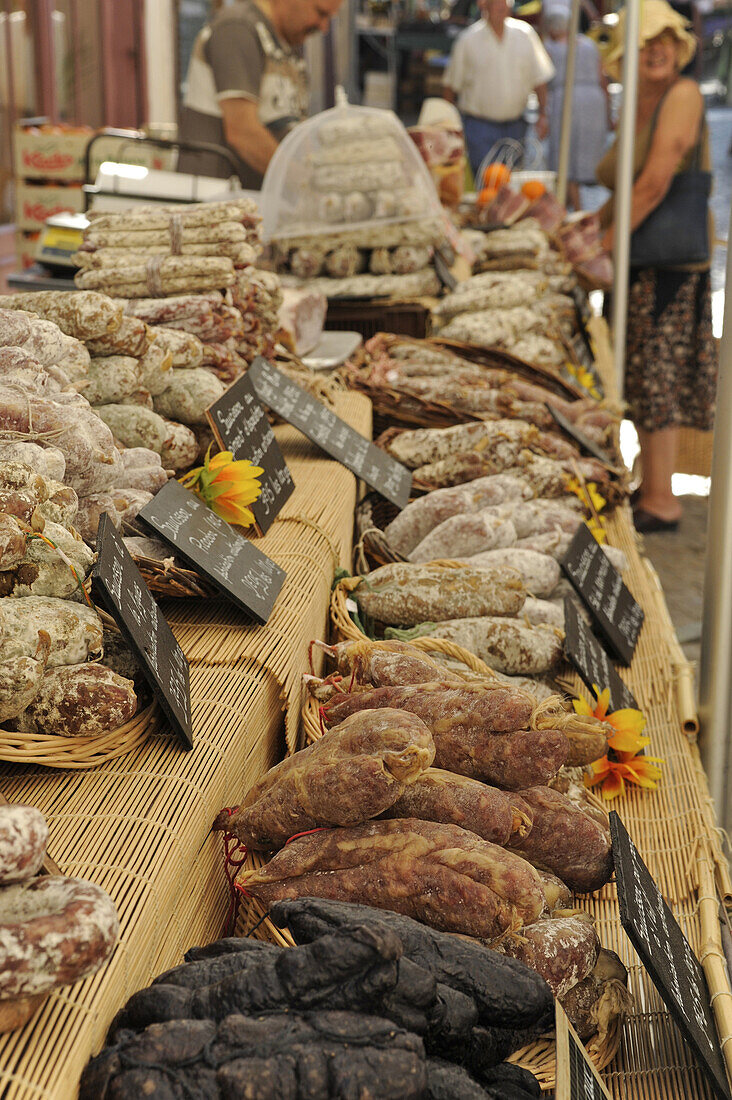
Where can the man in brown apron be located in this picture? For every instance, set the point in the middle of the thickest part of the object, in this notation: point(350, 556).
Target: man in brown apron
point(247, 84)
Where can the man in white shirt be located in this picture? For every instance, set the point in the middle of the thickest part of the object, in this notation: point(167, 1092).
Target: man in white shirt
point(494, 66)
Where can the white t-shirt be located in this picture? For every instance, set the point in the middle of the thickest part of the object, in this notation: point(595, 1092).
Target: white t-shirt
point(493, 77)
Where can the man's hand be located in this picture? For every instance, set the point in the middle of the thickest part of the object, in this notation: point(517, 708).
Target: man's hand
point(245, 133)
point(542, 126)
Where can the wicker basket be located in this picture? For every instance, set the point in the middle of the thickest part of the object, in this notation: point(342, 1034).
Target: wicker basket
point(615, 490)
point(77, 753)
point(394, 407)
point(491, 358)
point(373, 514)
point(695, 452)
point(166, 580)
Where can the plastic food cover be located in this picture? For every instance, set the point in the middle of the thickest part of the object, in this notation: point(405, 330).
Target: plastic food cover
point(344, 169)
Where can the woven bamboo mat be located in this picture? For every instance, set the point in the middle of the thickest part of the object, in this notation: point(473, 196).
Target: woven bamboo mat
point(140, 826)
point(668, 825)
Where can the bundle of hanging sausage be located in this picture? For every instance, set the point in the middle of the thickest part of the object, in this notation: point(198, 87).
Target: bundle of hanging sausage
point(367, 1003)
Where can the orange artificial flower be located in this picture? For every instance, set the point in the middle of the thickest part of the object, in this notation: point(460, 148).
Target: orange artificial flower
point(226, 486)
point(613, 774)
point(622, 764)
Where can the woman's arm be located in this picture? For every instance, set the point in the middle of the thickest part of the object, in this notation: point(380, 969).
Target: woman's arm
point(676, 132)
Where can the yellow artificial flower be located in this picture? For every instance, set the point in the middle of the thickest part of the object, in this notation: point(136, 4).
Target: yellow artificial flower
point(226, 486)
point(613, 774)
point(628, 724)
point(597, 529)
point(584, 378)
point(587, 493)
point(621, 764)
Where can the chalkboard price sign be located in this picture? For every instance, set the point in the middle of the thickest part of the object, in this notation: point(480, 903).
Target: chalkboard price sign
point(591, 661)
point(577, 1078)
point(582, 305)
point(241, 426)
point(231, 562)
point(580, 438)
point(442, 267)
point(117, 584)
point(665, 952)
point(601, 588)
point(338, 439)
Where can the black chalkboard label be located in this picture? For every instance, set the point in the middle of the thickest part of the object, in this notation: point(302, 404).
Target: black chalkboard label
point(579, 437)
point(582, 305)
point(338, 439)
point(241, 426)
point(601, 588)
point(234, 564)
point(582, 350)
point(577, 1078)
point(665, 952)
point(444, 274)
point(591, 661)
point(117, 584)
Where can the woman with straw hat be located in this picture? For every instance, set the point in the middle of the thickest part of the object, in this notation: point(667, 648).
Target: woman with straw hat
point(671, 358)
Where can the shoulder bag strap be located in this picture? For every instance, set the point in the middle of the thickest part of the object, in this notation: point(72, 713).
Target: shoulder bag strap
point(695, 163)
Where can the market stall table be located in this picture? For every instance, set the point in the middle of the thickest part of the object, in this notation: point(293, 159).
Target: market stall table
point(141, 826)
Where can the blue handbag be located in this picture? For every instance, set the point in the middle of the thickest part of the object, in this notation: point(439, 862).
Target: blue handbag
point(677, 231)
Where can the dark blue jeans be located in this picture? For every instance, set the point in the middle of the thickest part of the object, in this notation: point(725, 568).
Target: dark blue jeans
point(481, 134)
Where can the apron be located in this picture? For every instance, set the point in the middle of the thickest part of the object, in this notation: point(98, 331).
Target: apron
point(283, 92)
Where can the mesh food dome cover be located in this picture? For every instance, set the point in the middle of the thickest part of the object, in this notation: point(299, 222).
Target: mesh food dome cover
point(342, 169)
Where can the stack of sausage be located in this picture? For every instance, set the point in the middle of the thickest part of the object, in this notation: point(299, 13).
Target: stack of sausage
point(129, 381)
point(55, 930)
point(359, 220)
point(526, 313)
point(191, 270)
point(576, 238)
point(368, 1004)
point(423, 371)
point(165, 250)
point(59, 469)
point(483, 843)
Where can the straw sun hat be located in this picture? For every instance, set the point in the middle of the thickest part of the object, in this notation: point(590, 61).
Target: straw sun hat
point(656, 16)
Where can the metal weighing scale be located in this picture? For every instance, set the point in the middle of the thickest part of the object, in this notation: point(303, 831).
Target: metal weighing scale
point(61, 237)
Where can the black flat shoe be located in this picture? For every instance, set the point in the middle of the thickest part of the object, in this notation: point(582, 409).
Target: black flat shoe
point(648, 524)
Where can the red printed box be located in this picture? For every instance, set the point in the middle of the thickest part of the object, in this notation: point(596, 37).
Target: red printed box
point(26, 244)
point(34, 202)
point(57, 154)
